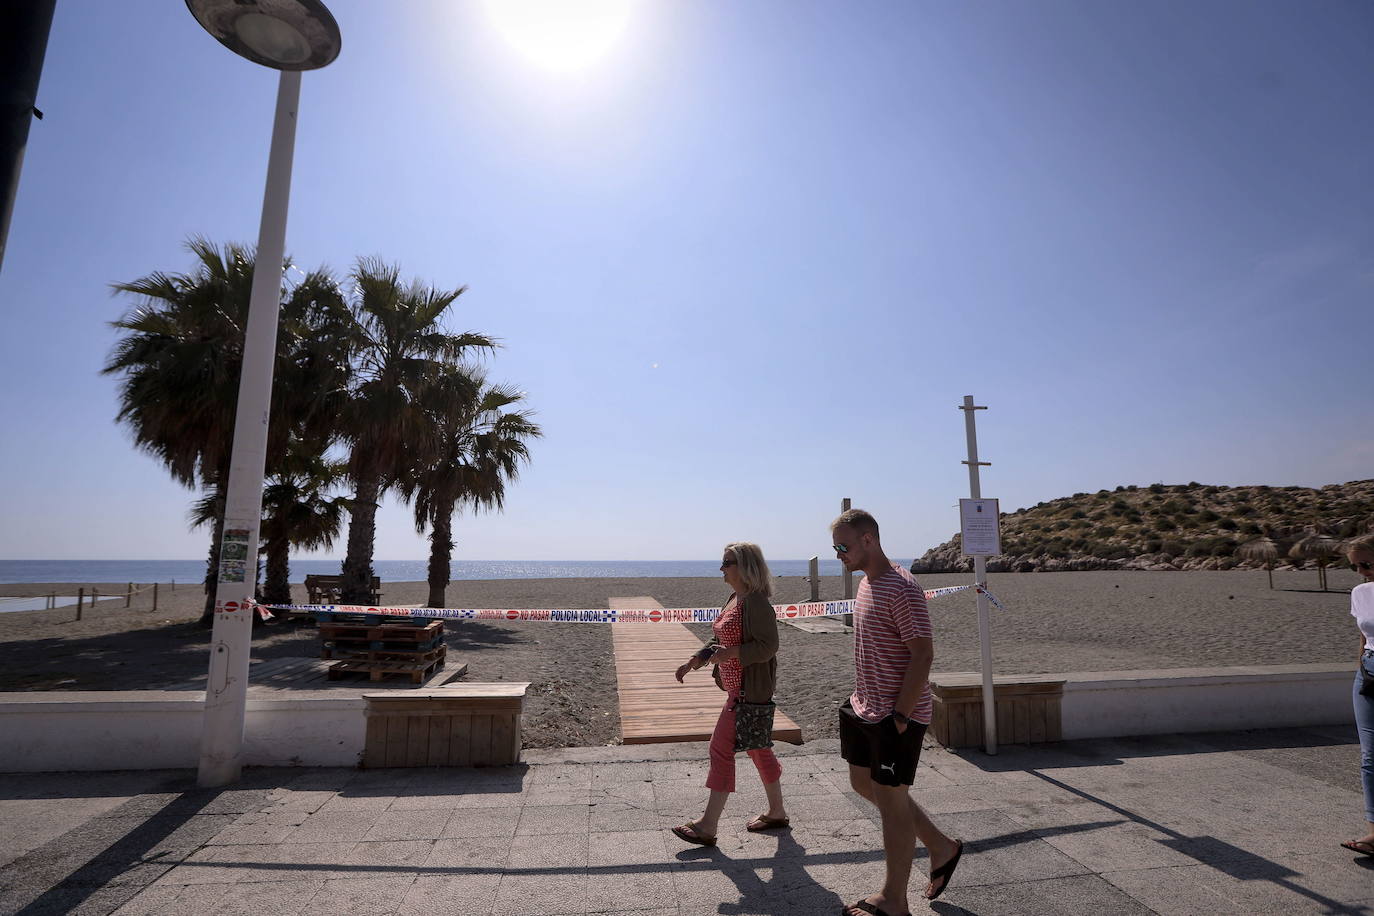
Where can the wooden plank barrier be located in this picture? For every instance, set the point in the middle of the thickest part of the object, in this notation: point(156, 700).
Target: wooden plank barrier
point(463, 725)
point(654, 707)
point(1028, 709)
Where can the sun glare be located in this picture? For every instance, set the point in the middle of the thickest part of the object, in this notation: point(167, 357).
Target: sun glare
point(562, 35)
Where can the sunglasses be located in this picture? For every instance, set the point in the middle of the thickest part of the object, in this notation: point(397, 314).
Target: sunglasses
point(840, 548)
point(725, 563)
point(1362, 566)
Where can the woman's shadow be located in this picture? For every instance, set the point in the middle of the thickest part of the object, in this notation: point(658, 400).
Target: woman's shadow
point(790, 890)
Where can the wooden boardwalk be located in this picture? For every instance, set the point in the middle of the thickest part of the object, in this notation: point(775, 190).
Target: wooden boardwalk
point(654, 707)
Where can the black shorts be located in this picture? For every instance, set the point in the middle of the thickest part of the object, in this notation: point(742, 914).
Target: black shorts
point(890, 756)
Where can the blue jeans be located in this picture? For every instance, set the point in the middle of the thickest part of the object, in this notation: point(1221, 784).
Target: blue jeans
point(1364, 721)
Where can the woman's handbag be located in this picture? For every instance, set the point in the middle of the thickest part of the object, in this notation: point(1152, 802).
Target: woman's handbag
point(753, 725)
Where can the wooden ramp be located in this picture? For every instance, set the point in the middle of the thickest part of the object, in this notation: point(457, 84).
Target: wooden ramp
point(654, 707)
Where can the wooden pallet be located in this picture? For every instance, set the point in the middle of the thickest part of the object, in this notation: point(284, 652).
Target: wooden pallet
point(377, 670)
point(358, 618)
point(386, 655)
point(426, 631)
point(654, 707)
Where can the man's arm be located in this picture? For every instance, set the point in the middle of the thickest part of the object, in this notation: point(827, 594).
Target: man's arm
point(922, 650)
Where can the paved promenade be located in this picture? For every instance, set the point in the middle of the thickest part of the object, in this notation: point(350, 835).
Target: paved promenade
point(1220, 823)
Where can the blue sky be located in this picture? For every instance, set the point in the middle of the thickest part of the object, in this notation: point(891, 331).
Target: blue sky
point(749, 260)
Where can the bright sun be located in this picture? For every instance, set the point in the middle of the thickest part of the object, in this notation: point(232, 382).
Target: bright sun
point(561, 35)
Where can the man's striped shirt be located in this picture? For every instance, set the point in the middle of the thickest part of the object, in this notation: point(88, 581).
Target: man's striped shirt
point(887, 611)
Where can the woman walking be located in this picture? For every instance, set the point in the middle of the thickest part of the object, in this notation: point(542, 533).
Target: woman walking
point(1361, 555)
point(743, 650)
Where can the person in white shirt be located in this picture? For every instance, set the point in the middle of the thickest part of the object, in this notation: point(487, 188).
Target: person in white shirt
point(1361, 555)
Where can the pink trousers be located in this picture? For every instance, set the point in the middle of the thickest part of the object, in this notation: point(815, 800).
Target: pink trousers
point(721, 777)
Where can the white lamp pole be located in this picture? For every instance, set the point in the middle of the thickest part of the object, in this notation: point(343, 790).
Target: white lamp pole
point(289, 36)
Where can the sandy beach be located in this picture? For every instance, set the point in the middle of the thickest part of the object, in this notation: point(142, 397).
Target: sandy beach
point(1054, 622)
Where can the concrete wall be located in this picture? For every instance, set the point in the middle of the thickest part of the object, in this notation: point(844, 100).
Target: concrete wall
point(146, 729)
point(1110, 704)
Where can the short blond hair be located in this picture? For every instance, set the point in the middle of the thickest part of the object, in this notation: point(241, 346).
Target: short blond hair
point(1363, 544)
point(753, 569)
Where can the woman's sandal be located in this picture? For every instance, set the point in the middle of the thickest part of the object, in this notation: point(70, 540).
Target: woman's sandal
point(1360, 846)
point(764, 822)
point(688, 832)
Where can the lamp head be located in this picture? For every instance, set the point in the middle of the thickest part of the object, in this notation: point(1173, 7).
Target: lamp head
point(281, 34)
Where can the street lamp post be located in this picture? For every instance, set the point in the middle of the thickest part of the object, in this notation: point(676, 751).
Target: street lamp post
point(288, 36)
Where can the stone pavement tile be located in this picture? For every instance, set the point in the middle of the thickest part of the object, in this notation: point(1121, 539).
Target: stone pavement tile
point(629, 847)
point(670, 911)
point(469, 854)
point(632, 792)
point(857, 835)
point(336, 827)
point(306, 800)
point(705, 889)
point(319, 779)
point(28, 823)
point(558, 776)
point(605, 775)
point(285, 898)
point(420, 824)
point(233, 801)
point(609, 817)
point(666, 771)
point(361, 896)
point(366, 801)
point(1000, 851)
point(544, 797)
point(633, 888)
point(495, 822)
point(811, 809)
point(150, 900)
point(1294, 884)
point(60, 901)
point(461, 895)
point(541, 895)
point(389, 857)
point(282, 862)
point(489, 797)
point(1069, 896)
point(554, 819)
point(544, 853)
point(809, 783)
point(772, 845)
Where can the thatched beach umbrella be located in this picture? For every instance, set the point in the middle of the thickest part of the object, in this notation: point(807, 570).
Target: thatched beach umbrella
point(1320, 547)
point(1261, 550)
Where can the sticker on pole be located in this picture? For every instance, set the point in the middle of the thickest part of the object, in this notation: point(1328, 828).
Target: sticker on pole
point(980, 528)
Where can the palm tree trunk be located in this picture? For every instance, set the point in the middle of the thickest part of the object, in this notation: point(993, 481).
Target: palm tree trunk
point(207, 614)
point(355, 584)
point(440, 553)
point(276, 587)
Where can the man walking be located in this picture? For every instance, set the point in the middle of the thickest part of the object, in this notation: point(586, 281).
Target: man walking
point(883, 722)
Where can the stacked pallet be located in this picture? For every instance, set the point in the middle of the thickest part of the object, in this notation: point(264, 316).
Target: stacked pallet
point(381, 646)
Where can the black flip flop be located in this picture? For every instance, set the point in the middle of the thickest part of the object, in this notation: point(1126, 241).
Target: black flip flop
point(689, 833)
point(946, 871)
point(1360, 846)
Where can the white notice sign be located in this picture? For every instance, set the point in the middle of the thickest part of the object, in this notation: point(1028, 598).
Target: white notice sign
point(979, 527)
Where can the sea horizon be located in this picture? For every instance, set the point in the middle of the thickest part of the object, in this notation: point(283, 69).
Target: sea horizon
point(19, 572)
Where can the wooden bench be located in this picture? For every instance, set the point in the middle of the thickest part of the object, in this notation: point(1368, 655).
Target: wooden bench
point(457, 726)
point(1028, 708)
point(325, 589)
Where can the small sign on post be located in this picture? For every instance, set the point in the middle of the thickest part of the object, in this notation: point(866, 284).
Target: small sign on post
point(980, 530)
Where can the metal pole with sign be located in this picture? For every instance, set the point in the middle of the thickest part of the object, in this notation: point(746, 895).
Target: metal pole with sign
point(980, 535)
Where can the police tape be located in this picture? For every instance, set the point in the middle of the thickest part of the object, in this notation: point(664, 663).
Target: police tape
point(610, 615)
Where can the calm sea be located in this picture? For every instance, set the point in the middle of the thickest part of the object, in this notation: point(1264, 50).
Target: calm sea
point(83, 571)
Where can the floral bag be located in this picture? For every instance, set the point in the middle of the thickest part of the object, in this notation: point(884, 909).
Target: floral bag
point(753, 725)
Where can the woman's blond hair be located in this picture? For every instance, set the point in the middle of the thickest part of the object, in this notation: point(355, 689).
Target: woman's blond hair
point(1364, 544)
point(753, 569)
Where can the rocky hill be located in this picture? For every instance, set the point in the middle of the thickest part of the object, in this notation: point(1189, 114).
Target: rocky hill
point(1164, 526)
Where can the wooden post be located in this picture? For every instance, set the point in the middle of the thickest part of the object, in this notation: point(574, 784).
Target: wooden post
point(95, 596)
point(80, 597)
point(129, 595)
point(52, 601)
point(155, 596)
point(815, 576)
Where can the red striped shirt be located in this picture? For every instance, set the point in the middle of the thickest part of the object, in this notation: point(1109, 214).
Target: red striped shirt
point(887, 611)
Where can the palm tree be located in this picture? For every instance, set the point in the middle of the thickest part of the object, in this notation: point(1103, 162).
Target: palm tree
point(399, 349)
point(298, 512)
point(179, 364)
point(474, 450)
